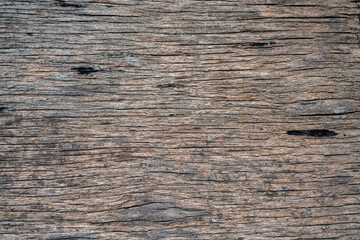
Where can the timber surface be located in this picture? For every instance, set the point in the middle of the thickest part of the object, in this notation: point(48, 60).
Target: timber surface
point(125, 119)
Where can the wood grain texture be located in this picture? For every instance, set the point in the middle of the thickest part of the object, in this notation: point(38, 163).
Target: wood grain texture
point(179, 119)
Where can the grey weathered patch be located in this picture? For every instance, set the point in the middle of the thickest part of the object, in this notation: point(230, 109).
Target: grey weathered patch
point(190, 38)
point(10, 224)
point(313, 61)
point(77, 90)
point(131, 60)
point(322, 107)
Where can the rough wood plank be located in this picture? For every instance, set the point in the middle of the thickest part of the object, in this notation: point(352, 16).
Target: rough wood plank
point(125, 119)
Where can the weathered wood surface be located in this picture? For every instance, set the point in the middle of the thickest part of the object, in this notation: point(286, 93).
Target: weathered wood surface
point(178, 119)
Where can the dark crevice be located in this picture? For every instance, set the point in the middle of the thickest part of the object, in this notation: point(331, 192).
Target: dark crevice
point(85, 70)
point(358, 34)
point(64, 3)
point(327, 114)
point(261, 44)
point(69, 236)
point(3, 109)
point(170, 85)
point(313, 133)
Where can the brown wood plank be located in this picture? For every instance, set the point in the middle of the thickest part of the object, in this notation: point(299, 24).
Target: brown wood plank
point(131, 119)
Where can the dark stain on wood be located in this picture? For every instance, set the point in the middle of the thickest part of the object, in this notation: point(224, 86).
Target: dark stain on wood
point(170, 85)
point(313, 133)
point(83, 70)
point(261, 44)
point(65, 3)
point(3, 109)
